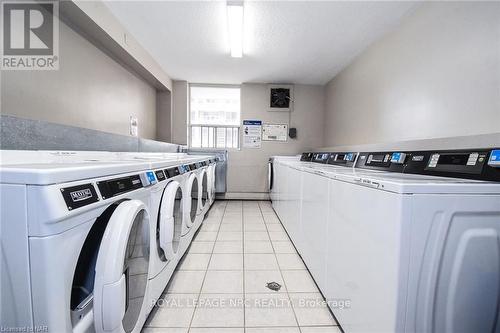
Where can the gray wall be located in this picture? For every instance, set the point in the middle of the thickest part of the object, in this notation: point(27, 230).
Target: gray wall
point(163, 116)
point(247, 168)
point(180, 96)
point(437, 75)
point(89, 90)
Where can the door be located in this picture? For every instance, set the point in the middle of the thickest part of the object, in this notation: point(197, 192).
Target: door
point(212, 182)
point(192, 203)
point(204, 188)
point(169, 224)
point(121, 269)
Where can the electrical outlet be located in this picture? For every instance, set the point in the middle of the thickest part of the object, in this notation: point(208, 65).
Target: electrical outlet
point(133, 126)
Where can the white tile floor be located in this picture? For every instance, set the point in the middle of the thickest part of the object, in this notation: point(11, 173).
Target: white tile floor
point(220, 286)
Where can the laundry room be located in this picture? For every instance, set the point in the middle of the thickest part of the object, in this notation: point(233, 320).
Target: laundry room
point(250, 166)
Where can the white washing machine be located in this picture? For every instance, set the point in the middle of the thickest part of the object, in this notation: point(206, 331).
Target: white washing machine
point(198, 164)
point(310, 227)
point(302, 200)
point(211, 169)
point(194, 181)
point(203, 196)
point(415, 252)
point(170, 206)
point(75, 242)
point(271, 173)
point(201, 202)
point(178, 204)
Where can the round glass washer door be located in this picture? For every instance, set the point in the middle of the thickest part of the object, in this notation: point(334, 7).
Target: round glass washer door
point(169, 226)
point(122, 262)
point(204, 185)
point(212, 182)
point(192, 199)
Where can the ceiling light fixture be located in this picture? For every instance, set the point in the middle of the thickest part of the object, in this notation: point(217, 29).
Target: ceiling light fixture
point(235, 27)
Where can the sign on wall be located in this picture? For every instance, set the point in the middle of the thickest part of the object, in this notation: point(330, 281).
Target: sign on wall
point(252, 133)
point(275, 132)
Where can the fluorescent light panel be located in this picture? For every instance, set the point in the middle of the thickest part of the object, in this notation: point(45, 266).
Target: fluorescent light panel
point(235, 27)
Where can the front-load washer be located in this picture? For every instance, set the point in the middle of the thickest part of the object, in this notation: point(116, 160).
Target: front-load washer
point(193, 169)
point(169, 206)
point(192, 207)
point(208, 182)
point(75, 242)
point(199, 191)
point(212, 167)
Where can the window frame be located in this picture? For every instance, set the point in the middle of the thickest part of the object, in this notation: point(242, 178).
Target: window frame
point(190, 125)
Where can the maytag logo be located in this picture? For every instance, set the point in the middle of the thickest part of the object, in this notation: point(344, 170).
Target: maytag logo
point(30, 35)
point(81, 195)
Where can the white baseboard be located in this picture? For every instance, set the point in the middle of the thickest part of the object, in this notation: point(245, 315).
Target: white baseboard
point(243, 196)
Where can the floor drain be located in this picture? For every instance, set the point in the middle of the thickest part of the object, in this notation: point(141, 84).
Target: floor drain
point(273, 286)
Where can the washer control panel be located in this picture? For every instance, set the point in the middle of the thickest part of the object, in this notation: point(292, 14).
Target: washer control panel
point(320, 157)
point(306, 157)
point(160, 175)
point(494, 160)
point(349, 157)
point(148, 178)
point(398, 158)
point(457, 162)
point(345, 159)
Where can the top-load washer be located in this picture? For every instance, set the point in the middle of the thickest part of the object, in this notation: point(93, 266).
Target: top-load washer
point(303, 209)
point(412, 252)
point(270, 169)
point(75, 242)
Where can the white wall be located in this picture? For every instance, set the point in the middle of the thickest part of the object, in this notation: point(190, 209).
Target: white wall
point(247, 168)
point(90, 90)
point(437, 75)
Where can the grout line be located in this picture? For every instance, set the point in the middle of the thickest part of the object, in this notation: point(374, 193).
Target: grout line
point(206, 271)
point(281, 273)
point(244, 285)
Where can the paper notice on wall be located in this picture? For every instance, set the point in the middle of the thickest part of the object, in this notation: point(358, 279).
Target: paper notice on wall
point(252, 133)
point(274, 132)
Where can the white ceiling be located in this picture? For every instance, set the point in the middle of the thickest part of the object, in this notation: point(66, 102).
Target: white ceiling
point(305, 42)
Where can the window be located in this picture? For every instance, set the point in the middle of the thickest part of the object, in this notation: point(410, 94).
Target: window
point(214, 116)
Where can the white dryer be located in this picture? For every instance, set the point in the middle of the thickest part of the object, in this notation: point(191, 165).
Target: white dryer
point(75, 242)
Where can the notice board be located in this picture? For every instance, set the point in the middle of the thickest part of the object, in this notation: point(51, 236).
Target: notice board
point(275, 132)
point(252, 133)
